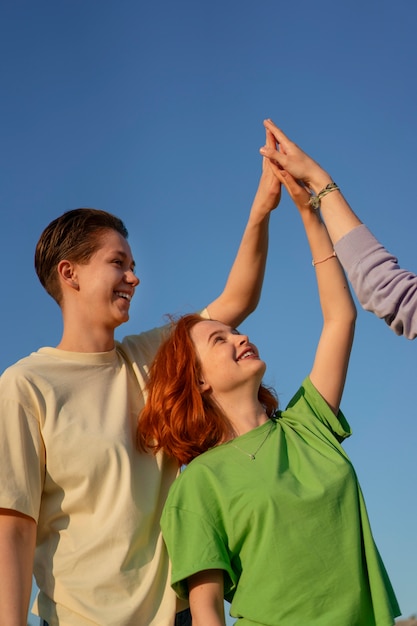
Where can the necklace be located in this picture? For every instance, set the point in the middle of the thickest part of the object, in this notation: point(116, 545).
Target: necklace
point(252, 455)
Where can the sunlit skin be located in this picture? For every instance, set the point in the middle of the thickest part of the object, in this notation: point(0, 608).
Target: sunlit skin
point(232, 372)
point(97, 295)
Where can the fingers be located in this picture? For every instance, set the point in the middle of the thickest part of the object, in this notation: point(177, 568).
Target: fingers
point(273, 155)
point(274, 135)
point(276, 169)
point(270, 178)
point(270, 141)
point(290, 183)
point(296, 191)
point(277, 133)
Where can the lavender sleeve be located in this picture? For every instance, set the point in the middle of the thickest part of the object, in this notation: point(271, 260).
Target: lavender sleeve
point(379, 283)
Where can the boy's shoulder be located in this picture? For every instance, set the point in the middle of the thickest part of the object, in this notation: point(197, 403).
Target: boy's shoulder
point(23, 367)
point(22, 364)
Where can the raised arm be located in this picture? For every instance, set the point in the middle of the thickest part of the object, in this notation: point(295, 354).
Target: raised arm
point(244, 284)
point(17, 547)
point(382, 286)
point(333, 351)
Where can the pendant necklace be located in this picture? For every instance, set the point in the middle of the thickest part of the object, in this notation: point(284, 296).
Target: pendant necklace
point(252, 455)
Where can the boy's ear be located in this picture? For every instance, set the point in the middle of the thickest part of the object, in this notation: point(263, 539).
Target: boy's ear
point(67, 273)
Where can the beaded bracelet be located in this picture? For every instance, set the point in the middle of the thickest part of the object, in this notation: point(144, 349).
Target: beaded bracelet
point(314, 201)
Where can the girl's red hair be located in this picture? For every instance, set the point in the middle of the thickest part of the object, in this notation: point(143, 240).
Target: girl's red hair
point(177, 417)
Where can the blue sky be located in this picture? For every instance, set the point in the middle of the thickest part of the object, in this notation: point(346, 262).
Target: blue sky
point(154, 111)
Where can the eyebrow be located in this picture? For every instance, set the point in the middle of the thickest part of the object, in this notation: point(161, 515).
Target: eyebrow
point(124, 255)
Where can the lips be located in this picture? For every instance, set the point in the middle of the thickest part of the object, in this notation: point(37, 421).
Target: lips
point(248, 353)
point(123, 294)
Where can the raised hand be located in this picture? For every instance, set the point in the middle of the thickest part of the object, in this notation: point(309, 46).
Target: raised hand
point(291, 158)
point(268, 194)
point(296, 189)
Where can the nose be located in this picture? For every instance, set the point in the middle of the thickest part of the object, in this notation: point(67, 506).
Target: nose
point(243, 339)
point(132, 279)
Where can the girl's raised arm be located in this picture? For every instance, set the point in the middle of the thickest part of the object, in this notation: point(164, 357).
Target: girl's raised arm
point(339, 312)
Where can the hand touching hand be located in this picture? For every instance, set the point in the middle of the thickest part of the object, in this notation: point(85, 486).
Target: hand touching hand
point(298, 193)
point(290, 157)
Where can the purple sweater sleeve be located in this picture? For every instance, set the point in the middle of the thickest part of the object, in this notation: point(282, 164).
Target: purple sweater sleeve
point(379, 283)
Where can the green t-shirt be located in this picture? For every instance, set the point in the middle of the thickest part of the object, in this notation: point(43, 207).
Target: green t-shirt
point(289, 529)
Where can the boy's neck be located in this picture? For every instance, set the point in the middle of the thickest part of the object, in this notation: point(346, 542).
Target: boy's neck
point(82, 342)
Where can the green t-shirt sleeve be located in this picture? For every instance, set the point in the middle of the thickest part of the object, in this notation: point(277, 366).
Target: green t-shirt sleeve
point(193, 531)
point(308, 402)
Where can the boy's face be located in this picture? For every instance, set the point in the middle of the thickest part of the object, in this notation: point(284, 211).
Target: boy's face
point(106, 284)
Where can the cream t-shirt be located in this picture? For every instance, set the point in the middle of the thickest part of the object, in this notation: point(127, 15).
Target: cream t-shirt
point(68, 458)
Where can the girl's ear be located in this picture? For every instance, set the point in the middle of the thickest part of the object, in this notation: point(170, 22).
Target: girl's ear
point(68, 274)
point(203, 386)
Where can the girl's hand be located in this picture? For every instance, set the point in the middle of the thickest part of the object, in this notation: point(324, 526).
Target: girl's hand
point(268, 194)
point(296, 190)
point(290, 157)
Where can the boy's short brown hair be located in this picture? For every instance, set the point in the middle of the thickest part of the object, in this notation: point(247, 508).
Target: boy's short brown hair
point(74, 236)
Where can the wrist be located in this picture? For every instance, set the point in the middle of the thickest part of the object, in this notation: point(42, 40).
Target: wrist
point(315, 200)
point(260, 212)
point(319, 181)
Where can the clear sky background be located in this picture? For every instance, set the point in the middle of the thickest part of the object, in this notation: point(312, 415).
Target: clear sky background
point(153, 111)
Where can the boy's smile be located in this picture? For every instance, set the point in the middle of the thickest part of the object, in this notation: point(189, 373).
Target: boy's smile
point(106, 284)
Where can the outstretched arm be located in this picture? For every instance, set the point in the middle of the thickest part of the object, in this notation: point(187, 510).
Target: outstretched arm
point(381, 285)
point(206, 598)
point(244, 284)
point(333, 351)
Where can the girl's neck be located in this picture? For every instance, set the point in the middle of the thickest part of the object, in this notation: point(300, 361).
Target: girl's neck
point(244, 417)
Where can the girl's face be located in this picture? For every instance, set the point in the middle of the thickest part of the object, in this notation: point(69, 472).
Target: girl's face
point(228, 360)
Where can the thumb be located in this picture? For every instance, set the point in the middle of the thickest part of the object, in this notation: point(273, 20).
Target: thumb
point(294, 188)
point(272, 154)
